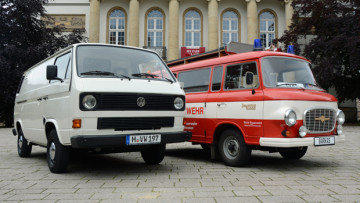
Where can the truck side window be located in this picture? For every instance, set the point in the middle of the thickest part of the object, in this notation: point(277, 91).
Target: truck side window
point(62, 63)
point(196, 80)
point(217, 78)
point(236, 76)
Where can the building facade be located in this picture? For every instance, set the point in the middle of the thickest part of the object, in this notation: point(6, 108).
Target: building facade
point(168, 25)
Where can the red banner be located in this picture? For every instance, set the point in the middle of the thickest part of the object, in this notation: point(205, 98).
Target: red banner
point(190, 51)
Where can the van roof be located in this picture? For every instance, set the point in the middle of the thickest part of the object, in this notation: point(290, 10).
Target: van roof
point(86, 44)
point(233, 58)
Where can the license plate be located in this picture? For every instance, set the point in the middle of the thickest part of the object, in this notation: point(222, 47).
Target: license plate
point(320, 141)
point(143, 139)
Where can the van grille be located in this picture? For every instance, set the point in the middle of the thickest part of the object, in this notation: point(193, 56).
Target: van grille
point(135, 123)
point(126, 102)
point(320, 120)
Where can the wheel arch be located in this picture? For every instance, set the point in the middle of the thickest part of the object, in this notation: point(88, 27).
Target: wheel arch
point(224, 126)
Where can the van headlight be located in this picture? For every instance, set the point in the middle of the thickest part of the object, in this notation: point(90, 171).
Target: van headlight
point(340, 117)
point(178, 103)
point(290, 117)
point(89, 102)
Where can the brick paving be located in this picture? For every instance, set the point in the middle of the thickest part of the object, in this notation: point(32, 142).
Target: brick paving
point(325, 174)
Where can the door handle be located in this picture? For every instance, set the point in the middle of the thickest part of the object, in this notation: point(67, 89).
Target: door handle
point(221, 104)
point(40, 99)
point(45, 98)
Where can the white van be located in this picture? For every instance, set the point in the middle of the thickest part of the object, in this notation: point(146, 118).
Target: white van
point(99, 97)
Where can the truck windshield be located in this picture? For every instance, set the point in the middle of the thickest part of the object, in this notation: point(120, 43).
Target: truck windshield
point(284, 72)
point(120, 62)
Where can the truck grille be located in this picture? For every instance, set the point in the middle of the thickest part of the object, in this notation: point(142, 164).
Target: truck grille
point(320, 120)
point(135, 123)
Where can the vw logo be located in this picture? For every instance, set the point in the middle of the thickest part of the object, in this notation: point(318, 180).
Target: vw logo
point(141, 101)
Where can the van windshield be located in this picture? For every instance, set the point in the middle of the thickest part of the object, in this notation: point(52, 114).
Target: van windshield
point(120, 62)
point(282, 72)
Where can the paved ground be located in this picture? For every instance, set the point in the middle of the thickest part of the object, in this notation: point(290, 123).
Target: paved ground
point(187, 174)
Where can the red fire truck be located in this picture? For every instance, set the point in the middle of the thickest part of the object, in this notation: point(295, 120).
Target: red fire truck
point(257, 100)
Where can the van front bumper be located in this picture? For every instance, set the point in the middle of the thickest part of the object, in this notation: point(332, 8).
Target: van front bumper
point(106, 141)
point(293, 142)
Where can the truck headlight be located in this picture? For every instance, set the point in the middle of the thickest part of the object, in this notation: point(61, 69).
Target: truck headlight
point(89, 102)
point(340, 117)
point(302, 131)
point(290, 117)
point(339, 129)
point(178, 103)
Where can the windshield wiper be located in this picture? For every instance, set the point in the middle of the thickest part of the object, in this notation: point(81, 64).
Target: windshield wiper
point(96, 72)
point(123, 76)
point(144, 74)
point(287, 84)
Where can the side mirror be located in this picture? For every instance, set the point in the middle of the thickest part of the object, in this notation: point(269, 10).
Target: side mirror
point(249, 78)
point(51, 73)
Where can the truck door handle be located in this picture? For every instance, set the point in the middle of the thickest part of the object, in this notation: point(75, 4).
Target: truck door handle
point(40, 99)
point(45, 98)
point(221, 104)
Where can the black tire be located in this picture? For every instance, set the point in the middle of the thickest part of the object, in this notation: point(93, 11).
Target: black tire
point(154, 154)
point(294, 153)
point(205, 147)
point(233, 149)
point(23, 146)
point(57, 155)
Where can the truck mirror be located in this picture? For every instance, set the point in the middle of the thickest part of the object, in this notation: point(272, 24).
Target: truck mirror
point(249, 78)
point(51, 73)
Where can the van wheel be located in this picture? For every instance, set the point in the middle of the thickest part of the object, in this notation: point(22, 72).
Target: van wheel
point(24, 147)
point(294, 153)
point(57, 154)
point(233, 149)
point(154, 154)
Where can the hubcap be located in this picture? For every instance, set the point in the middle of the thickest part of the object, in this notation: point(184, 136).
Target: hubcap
point(21, 140)
point(52, 151)
point(231, 147)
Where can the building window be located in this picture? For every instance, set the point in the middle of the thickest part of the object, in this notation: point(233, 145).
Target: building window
point(230, 27)
point(267, 28)
point(155, 28)
point(192, 28)
point(116, 26)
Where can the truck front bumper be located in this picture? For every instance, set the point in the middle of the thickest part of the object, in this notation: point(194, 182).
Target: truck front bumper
point(107, 141)
point(294, 142)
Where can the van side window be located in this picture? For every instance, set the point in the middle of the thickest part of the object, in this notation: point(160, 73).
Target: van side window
point(62, 63)
point(217, 78)
point(236, 76)
point(196, 80)
point(20, 84)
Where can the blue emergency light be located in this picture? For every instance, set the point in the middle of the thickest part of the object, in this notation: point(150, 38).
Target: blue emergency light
point(257, 45)
point(290, 49)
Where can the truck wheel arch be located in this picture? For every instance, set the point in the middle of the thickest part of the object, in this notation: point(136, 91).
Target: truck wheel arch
point(222, 127)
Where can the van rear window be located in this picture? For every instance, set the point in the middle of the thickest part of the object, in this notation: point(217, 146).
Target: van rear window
point(196, 80)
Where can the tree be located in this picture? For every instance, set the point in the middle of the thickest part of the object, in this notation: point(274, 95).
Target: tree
point(333, 27)
point(25, 40)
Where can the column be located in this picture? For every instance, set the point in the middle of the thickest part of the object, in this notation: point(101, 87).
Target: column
point(288, 12)
point(252, 21)
point(94, 25)
point(213, 39)
point(133, 23)
point(173, 37)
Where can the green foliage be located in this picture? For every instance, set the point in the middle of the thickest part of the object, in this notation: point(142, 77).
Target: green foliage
point(334, 27)
point(24, 41)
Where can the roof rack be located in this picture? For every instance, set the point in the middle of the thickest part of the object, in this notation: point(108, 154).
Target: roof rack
point(230, 48)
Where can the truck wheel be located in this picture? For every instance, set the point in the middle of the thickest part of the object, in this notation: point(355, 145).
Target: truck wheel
point(57, 155)
point(205, 147)
point(24, 147)
point(233, 149)
point(154, 154)
point(294, 153)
